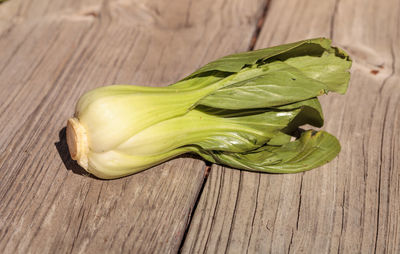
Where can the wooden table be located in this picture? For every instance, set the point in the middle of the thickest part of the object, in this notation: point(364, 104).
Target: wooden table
point(52, 51)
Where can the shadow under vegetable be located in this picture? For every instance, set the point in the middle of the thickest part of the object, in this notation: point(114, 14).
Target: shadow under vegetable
point(63, 151)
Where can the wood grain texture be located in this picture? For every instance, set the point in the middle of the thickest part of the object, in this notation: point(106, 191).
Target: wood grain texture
point(350, 205)
point(54, 51)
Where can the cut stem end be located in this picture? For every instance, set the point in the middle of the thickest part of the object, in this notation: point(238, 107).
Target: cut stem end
point(77, 142)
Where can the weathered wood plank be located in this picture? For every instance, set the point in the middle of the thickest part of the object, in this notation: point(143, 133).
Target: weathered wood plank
point(350, 205)
point(54, 51)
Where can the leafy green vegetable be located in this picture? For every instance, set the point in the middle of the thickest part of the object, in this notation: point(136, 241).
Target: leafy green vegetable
point(311, 150)
point(241, 111)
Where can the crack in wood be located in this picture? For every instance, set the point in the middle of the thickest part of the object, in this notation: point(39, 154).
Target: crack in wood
point(299, 207)
point(342, 222)
point(259, 25)
point(190, 215)
point(333, 19)
point(380, 176)
point(393, 71)
point(291, 242)
point(220, 186)
point(234, 211)
point(254, 212)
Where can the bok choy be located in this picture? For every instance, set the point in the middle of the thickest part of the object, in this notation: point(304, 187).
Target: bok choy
point(241, 111)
